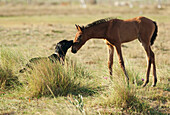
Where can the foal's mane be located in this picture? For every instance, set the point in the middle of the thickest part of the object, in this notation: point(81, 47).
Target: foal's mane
point(99, 22)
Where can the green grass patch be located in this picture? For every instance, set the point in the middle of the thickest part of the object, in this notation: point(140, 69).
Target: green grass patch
point(9, 61)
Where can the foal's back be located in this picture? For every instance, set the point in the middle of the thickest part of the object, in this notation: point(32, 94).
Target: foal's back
point(132, 29)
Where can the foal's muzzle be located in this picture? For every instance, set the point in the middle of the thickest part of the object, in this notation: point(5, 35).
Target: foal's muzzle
point(73, 50)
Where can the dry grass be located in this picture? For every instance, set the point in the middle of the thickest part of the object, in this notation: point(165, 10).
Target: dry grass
point(34, 31)
point(54, 79)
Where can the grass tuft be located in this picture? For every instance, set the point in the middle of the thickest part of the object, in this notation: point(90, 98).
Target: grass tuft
point(47, 78)
point(77, 101)
point(9, 59)
point(123, 97)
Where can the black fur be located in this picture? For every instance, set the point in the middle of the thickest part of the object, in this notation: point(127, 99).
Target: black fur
point(154, 34)
point(59, 55)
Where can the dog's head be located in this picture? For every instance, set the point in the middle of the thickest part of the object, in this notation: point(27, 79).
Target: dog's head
point(62, 46)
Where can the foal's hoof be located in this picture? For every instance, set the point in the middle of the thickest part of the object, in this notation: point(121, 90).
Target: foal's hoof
point(144, 84)
point(154, 85)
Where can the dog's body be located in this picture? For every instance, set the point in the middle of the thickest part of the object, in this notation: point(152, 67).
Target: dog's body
point(59, 55)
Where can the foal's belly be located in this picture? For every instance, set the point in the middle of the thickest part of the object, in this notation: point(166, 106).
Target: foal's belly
point(128, 31)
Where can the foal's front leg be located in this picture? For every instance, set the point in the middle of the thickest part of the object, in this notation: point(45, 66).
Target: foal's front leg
point(119, 52)
point(110, 60)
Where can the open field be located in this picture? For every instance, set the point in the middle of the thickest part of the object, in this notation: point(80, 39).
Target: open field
point(32, 31)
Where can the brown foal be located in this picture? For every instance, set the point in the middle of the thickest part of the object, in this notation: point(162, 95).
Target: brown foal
point(115, 32)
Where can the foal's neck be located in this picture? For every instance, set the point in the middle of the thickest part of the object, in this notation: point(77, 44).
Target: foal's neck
point(97, 31)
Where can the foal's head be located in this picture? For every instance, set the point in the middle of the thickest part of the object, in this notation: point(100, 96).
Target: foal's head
point(62, 47)
point(79, 39)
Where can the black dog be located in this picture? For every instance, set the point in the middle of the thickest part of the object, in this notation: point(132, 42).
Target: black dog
point(59, 55)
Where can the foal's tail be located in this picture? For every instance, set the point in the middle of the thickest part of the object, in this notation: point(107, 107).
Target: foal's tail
point(154, 34)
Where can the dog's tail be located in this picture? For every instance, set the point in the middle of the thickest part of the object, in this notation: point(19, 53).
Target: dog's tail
point(154, 34)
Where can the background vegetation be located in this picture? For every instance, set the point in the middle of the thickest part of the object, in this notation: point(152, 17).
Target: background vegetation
point(83, 85)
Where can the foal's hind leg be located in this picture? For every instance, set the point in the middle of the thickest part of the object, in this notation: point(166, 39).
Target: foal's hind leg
point(154, 68)
point(151, 60)
point(110, 61)
point(148, 68)
point(119, 52)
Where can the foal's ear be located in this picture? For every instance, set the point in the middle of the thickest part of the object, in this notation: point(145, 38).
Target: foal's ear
point(79, 28)
point(76, 26)
point(82, 28)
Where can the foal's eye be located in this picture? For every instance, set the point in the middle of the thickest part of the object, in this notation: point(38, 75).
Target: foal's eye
point(79, 38)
